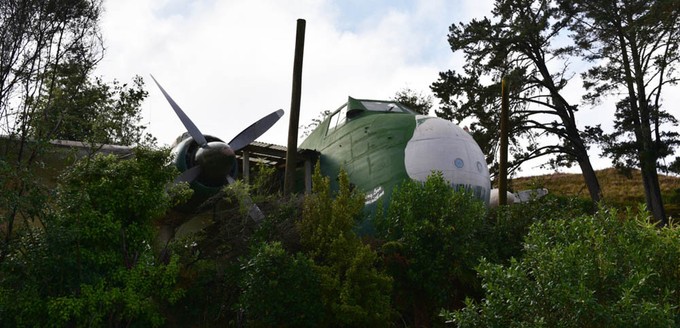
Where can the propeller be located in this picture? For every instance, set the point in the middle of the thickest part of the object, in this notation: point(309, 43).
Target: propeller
point(214, 160)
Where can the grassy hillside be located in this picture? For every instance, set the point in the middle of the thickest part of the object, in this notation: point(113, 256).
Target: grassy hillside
point(617, 188)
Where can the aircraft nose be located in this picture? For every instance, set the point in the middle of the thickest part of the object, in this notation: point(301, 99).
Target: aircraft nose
point(216, 161)
point(440, 145)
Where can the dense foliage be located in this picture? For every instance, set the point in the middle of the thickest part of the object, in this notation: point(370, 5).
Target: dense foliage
point(589, 271)
point(281, 288)
point(90, 261)
point(433, 236)
point(302, 266)
point(47, 53)
point(354, 292)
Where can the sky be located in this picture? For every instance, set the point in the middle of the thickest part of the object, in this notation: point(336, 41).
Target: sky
point(228, 63)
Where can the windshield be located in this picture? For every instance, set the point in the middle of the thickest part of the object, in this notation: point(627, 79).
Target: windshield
point(385, 106)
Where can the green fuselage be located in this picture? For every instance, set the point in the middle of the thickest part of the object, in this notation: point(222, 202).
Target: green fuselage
point(381, 144)
point(369, 147)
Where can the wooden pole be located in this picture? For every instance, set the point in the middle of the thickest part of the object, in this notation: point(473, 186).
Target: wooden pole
point(289, 178)
point(503, 162)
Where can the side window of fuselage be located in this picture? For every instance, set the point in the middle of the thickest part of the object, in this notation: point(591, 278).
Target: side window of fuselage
point(337, 120)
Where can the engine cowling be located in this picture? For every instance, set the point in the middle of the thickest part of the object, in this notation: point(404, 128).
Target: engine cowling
point(187, 153)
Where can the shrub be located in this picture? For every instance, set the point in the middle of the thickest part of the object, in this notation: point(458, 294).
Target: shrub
point(509, 225)
point(280, 288)
point(433, 236)
point(91, 263)
point(354, 291)
point(215, 261)
point(590, 271)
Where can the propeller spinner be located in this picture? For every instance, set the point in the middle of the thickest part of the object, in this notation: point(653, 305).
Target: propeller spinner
point(213, 161)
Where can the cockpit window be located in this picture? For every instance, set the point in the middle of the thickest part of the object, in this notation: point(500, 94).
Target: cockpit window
point(337, 119)
point(354, 107)
point(382, 106)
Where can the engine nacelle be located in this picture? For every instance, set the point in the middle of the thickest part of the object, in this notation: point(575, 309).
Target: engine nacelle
point(184, 157)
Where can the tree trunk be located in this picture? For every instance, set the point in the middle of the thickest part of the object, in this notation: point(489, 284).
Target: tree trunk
point(581, 154)
point(590, 178)
point(653, 198)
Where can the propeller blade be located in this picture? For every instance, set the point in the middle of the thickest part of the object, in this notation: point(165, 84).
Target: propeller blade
point(254, 212)
point(188, 175)
point(255, 130)
point(191, 128)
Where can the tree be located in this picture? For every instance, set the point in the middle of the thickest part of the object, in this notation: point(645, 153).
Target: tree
point(77, 107)
point(635, 45)
point(414, 100)
point(37, 36)
point(47, 52)
point(520, 45)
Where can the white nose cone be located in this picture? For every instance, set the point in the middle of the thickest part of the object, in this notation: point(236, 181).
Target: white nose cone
point(440, 145)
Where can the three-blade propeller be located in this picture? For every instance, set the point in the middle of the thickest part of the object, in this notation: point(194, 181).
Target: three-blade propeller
point(214, 160)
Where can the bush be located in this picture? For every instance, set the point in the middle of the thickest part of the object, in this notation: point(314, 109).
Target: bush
point(433, 237)
point(590, 271)
point(354, 291)
point(509, 225)
point(280, 288)
point(91, 263)
point(215, 261)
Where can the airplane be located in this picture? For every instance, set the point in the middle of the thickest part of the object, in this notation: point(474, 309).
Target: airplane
point(379, 144)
